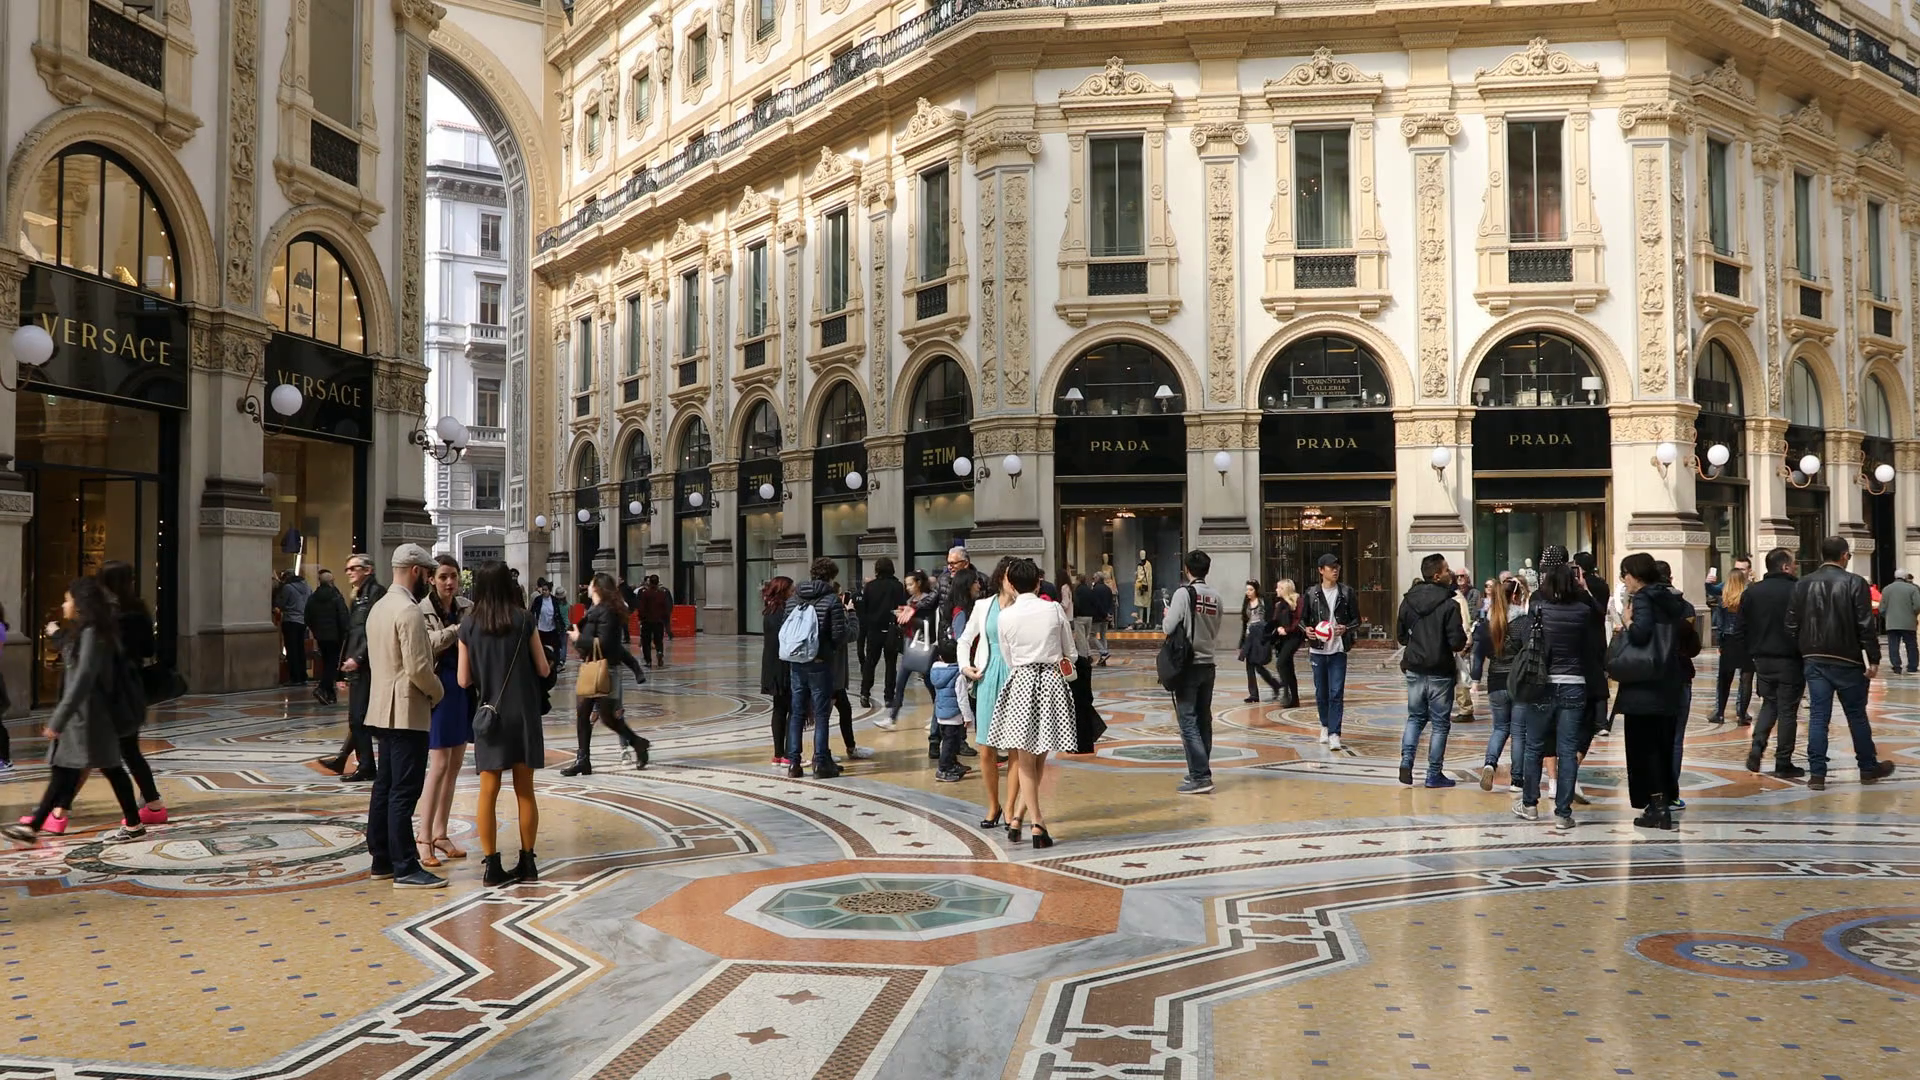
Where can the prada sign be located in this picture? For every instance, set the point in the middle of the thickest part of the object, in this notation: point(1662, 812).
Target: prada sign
point(1542, 440)
point(1120, 446)
point(931, 454)
point(1332, 441)
point(108, 341)
point(832, 464)
point(336, 388)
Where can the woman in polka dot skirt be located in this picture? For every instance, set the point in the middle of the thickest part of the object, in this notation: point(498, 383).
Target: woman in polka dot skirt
point(1033, 715)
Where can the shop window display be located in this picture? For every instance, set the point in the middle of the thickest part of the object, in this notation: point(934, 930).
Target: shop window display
point(1137, 547)
point(89, 211)
point(311, 484)
point(1294, 536)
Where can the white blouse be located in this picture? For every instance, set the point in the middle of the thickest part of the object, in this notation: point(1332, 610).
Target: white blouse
point(1035, 631)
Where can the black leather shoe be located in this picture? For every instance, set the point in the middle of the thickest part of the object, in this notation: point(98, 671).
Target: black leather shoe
point(492, 874)
point(826, 769)
point(640, 753)
point(364, 776)
point(580, 767)
point(526, 869)
point(1788, 772)
point(334, 765)
point(967, 750)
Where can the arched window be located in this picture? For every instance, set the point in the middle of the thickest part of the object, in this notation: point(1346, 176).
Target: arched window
point(696, 446)
point(1802, 397)
point(942, 398)
point(1324, 373)
point(587, 471)
point(1716, 382)
point(844, 417)
point(90, 211)
point(761, 440)
point(312, 293)
point(1538, 369)
point(1876, 418)
point(1119, 379)
point(639, 457)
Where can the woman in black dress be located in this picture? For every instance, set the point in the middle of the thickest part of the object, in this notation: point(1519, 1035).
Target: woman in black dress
point(776, 678)
point(502, 662)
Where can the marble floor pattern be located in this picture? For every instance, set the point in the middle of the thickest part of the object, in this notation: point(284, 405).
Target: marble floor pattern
point(711, 919)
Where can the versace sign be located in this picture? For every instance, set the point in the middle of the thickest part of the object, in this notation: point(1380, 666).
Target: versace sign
point(108, 341)
point(336, 388)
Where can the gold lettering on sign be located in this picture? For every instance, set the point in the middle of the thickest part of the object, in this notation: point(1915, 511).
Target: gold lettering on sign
point(938, 455)
point(838, 470)
point(1119, 446)
point(315, 389)
point(1335, 443)
point(1539, 440)
point(86, 335)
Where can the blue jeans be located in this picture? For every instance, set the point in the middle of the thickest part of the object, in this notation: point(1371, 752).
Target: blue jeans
point(1825, 680)
point(396, 791)
point(1329, 688)
point(1680, 727)
point(1193, 704)
point(1429, 701)
point(1502, 705)
point(1894, 640)
point(812, 692)
point(1562, 714)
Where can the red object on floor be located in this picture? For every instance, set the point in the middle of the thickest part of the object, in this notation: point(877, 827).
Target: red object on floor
point(682, 623)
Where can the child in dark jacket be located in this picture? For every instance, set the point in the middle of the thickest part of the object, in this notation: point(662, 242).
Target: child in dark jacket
point(946, 712)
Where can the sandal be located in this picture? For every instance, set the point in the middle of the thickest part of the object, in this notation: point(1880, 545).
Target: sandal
point(445, 847)
point(428, 859)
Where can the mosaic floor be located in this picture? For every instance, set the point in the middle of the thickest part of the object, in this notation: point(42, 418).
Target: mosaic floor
point(710, 919)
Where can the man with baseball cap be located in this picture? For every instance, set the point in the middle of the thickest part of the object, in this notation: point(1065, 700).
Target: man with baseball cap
point(404, 691)
point(1332, 612)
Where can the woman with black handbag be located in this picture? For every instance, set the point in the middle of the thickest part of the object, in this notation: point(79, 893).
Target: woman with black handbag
point(1288, 636)
point(1645, 660)
point(1256, 644)
point(503, 661)
point(597, 637)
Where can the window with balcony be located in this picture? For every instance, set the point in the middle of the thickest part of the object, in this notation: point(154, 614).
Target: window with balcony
point(636, 338)
point(490, 235)
point(1535, 176)
point(486, 489)
point(1719, 197)
point(583, 355)
point(1876, 249)
point(333, 60)
point(766, 19)
point(689, 313)
point(1117, 213)
point(1804, 224)
point(487, 310)
point(757, 296)
point(935, 206)
point(486, 403)
point(642, 95)
point(1321, 170)
point(838, 262)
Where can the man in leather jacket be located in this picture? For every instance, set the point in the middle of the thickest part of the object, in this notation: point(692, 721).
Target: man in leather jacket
point(353, 664)
point(1779, 672)
point(1831, 619)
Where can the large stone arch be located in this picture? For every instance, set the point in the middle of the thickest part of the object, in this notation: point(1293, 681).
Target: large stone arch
point(1192, 388)
point(1833, 401)
point(918, 361)
point(580, 449)
point(737, 424)
point(1754, 392)
point(1329, 324)
point(676, 432)
point(623, 447)
point(157, 165)
point(1613, 367)
point(1895, 387)
point(817, 401)
point(376, 300)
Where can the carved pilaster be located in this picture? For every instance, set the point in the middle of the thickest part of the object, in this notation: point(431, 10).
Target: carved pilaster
point(242, 164)
point(1430, 136)
point(1658, 291)
point(1219, 144)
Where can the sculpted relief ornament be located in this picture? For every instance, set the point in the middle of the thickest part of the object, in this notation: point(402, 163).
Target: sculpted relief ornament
point(1726, 79)
point(1116, 81)
point(1539, 59)
point(928, 118)
point(1324, 70)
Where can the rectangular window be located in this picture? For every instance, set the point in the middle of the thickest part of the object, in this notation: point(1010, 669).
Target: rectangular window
point(333, 60)
point(766, 19)
point(593, 132)
point(835, 271)
point(1320, 175)
point(1719, 197)
point(689, 313)
point(1876, 251)
point(490, 235)
point(756, 290)
point(935, 200)
point(636, 341)
point(1534, 175)
point(486, 489)
point(1117, 181)
point(642, 98)
point(583, 356)
point(489, 306)
point(1803, 253)
point(697, 57)
point(486, 402)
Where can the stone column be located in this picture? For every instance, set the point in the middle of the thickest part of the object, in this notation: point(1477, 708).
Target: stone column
point(1766, 488)
point(16, 502)
point(1663, 521)
point(1906, 462)
point(887, 502)
point(792, 552)
point(1223, 529)
point(1845, 505)
point(721, 615)
point(1434, 505)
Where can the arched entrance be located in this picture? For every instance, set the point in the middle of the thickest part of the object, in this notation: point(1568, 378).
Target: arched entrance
point(586, 512)
point(1327, 469)
point(692, 514)
point(1542, 452)
point(1720, 432)
point(760, 499)
point(939, 498)
point(1120, 466)
point(636, 507)
point(840, 480)
point(1807, 493)
point(1877, 504)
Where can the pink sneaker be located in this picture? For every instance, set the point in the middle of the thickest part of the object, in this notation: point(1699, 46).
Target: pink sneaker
point(54, 825)
point(153, 815)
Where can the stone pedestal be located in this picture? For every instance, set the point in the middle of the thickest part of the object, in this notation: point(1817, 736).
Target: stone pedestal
point(1435, 508)
point(720, 615)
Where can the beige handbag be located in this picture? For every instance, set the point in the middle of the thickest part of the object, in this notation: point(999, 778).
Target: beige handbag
point(594, 679)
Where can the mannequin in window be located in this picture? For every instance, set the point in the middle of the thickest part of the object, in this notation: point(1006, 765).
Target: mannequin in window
point(1143, 584)
point(1106, 567)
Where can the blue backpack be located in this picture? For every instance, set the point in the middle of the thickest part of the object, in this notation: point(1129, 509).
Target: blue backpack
point(800, 635)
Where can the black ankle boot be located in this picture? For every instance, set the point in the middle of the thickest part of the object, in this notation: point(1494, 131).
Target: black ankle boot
point(581, 767)
point(492, 874)
point(1656, 815)
point(640, 752)
point(525, 869)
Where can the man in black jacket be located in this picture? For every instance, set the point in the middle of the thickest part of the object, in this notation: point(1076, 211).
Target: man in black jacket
point(813, 677)
point(1431, 634)
point(1330, 604)
point(366, 591)
point(1831, 619)
point(1779, 672)
point(879, 628)
point(327, 620)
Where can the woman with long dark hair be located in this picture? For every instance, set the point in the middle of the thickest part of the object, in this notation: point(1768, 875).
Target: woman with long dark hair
point(924, 601)
point(1256, 643)
point(600, 627)
point(776, 675)
point(452, 723)
point(1033, 714)
point(82, 725)
point(1575, 641)
point(1730, 628)
point(1652, 707)
point(502, 662)
point(134, 625)
point(1497, 639)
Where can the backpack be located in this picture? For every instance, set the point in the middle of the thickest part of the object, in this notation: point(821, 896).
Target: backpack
point(1176, 650)
point(1529, 680)
point(800, 635)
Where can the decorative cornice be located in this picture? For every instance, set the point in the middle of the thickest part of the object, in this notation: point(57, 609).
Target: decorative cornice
point(1666, 116)
point(1537, 61)
point(929, 118)
point(1224, 134)
point(1116, 82)
point(1883, 151)
point(832, 167)
point(993, 140)
point(1809, 118)
point(1430, 128)
point(1324, 71)
point(1727, 79)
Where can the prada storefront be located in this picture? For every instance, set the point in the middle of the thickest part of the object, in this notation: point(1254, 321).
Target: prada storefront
point(317, 409)
point(939, 490)
point(99, 426)
point(840, 482)
point(1327, 470)
point(1542, 453)
point(1120, 466)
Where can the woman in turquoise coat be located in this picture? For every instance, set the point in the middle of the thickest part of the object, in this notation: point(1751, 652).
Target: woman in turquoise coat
point(981, 637)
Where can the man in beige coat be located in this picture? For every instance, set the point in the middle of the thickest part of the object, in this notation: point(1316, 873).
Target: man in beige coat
point(404, 689)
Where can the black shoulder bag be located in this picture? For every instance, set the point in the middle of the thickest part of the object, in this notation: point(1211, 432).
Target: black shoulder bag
point(486, 719)
point(1176, 652)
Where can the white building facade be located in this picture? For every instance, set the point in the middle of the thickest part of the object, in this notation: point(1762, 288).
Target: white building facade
point(468, 240)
